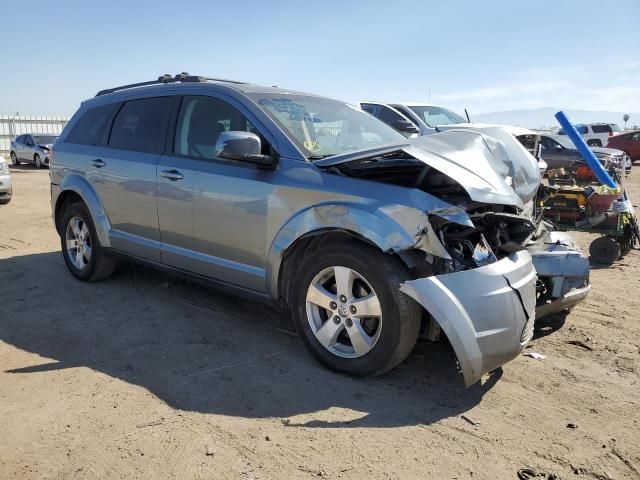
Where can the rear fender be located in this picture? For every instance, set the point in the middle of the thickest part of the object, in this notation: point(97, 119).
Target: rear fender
point(78, 184)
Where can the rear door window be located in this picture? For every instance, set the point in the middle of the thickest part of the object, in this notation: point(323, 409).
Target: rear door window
point(601, 128)
point(141, 125)
point(90, 125)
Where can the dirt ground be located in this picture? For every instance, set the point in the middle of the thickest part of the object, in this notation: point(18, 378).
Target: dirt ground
point(148, 376)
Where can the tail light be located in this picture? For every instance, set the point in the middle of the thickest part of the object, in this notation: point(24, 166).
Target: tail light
point(611, 133)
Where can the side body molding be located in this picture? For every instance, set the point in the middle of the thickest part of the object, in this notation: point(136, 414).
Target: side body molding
point(78, 184)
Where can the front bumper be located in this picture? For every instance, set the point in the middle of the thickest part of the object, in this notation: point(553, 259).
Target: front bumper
point(486, 313)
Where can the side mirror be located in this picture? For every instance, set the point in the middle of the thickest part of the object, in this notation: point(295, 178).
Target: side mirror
point(243, 146)
point(405, 126)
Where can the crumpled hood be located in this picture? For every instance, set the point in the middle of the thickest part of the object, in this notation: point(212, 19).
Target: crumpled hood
point(491, 165)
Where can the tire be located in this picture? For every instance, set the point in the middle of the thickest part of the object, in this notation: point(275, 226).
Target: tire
point(605, 250)
point(389, 337)
point(4, 201)
point(88, 267)
point(594, 143)
point(37, 161)
point(14, 159)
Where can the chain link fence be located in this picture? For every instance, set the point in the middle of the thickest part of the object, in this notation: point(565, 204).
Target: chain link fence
point(12, 126)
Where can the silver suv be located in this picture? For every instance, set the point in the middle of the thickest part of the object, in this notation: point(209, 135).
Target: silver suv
point(32, 148)
point(307, 202)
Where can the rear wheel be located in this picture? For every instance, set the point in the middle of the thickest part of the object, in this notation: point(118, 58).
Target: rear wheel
point(84, 256)
point(14, 159)
point(349, 312)
point(37, 161)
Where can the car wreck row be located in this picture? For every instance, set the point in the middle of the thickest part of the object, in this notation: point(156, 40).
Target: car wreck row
point(368, 238)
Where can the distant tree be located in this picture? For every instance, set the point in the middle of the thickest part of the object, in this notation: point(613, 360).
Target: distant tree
point(625, 117)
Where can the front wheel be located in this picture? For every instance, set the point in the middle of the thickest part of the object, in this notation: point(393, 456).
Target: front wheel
point(349, 312)
point(37, 161)
point(84, 256)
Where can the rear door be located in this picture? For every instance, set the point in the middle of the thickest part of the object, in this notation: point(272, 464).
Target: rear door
point(123, 173)
point(213, 211)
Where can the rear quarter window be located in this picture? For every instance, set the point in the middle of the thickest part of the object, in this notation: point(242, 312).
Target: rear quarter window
point(90, 125)
point(601, 128)
point(141, 125)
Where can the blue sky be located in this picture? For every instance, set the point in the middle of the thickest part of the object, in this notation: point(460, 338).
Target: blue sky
point(484, 55)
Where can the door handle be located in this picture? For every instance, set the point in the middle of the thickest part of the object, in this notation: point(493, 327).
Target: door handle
point(172, 175)
point(97, 163)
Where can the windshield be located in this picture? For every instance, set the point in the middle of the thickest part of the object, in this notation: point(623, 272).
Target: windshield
point(434, 116)
point(45, 139)
point(321, 127)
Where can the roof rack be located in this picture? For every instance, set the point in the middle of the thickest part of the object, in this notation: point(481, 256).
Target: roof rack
point(183, 77)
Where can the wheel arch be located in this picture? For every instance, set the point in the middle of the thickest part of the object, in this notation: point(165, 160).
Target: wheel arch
point(75, 188)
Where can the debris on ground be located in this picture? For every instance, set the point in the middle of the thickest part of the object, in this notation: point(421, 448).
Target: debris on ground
point(537, 356)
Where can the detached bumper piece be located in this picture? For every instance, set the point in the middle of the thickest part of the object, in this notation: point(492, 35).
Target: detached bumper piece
point(563, 271)
point(486, 313)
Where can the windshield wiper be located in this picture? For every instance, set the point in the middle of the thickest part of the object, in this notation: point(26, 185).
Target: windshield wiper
point(320, 157)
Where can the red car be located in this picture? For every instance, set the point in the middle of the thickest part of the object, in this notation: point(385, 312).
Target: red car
point(629, 142)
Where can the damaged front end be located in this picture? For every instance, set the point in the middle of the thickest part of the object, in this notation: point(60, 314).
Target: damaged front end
point(473, 276)
point(483, 297)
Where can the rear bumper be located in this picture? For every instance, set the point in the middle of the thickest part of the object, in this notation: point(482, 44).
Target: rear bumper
point(486, 313)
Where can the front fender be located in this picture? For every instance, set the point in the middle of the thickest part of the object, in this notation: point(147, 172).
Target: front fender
point(389, 227)
point(79, 185)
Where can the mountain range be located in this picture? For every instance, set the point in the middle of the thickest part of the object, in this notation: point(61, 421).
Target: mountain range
point(544, 117)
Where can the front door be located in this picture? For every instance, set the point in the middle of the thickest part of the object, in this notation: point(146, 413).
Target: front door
point(212, 211)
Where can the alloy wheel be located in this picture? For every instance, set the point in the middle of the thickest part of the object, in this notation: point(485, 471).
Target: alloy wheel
point(344, 312)
point(79, 243)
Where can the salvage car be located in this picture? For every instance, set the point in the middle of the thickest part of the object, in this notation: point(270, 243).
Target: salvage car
point(628, 142)
point(32, 148)
point(306, 202)
point(6, 189)
point(559, 152)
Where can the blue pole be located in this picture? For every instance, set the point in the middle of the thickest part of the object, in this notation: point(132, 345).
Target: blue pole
point(585, 151)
